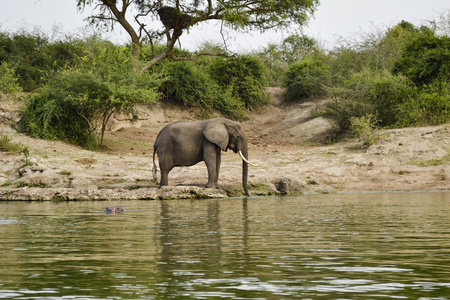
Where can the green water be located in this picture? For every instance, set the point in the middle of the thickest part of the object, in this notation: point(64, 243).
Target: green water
point(350, 246)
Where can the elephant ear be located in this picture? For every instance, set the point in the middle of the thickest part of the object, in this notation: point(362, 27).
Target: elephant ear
point(216, 132)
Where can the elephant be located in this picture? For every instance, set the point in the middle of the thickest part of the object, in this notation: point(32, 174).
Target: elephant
point(188, 143)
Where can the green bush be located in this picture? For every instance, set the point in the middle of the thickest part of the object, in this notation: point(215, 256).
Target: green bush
point(364, 128)
point(425, 58)
point(9, 83)
point(368, 93)
point(47, 115)
point(278, 57)
point(188, 85)
point(36, 58)
point(305, 80)
point(8, 145)
point(78, 103)
point(243, 76)
point(431, 106)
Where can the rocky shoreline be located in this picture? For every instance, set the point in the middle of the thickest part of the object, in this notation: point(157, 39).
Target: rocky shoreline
point(105, 194)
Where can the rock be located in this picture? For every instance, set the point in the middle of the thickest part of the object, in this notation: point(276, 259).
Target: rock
point(67, 194)
point(190, 192)
point(83, 182)
point(286, 185)
point(43, 179)
point(9, 118)
point(125, 186)
point(315, 130)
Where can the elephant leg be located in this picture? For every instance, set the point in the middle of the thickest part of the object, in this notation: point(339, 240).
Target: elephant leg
point(164, 178)
point(218, 161)
point(165, 166)
point(212, 160)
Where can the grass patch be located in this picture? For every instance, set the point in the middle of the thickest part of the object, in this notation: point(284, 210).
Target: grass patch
point(440, 176)
point(32, 185)
point(258, 186)
point(111, 175)
point(7, 183)
point(65, 172)
point(8, 145)
point(86, 161)
point(431, 162)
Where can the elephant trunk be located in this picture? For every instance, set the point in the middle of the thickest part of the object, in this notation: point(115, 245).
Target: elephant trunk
point(245, 168)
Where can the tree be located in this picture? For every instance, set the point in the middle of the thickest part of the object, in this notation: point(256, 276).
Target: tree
point(178, 15)
point(77, 104)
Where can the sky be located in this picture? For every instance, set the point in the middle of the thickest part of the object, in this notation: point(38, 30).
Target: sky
point(333, 20)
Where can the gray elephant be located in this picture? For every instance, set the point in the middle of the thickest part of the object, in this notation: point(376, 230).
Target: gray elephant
point(187, 143)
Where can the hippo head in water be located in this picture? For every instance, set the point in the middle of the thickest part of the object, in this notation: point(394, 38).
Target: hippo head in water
point(114, 210)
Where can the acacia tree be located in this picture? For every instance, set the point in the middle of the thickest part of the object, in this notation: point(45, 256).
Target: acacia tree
point(136, 16)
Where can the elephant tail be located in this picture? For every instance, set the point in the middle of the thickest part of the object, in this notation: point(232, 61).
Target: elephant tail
point(155, 169)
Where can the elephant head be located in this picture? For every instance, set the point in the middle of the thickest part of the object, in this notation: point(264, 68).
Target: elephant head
point(228, 134)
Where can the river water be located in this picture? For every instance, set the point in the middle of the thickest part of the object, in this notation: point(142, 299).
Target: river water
point(345, 246)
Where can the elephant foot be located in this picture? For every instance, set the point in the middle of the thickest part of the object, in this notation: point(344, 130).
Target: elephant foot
point(212, 185)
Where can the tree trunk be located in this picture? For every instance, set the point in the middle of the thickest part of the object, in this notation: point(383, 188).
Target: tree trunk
point(120, 16)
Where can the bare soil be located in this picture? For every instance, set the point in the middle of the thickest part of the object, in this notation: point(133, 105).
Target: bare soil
point(289, 160)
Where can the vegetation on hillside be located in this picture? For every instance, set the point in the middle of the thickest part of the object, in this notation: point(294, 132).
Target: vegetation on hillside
point(396, 78)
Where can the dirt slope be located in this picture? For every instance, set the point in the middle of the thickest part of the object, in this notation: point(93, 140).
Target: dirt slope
point(408, 159)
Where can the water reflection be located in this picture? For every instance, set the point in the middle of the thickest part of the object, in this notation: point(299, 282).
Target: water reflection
point(354, 246)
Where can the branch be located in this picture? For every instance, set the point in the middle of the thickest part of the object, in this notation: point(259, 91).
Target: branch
point(162, 55)
point(223, 37)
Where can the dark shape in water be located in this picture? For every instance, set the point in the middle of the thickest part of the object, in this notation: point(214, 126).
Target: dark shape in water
point(114, 210)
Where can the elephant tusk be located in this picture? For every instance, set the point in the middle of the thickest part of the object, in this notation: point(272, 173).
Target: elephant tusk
point(244, 159)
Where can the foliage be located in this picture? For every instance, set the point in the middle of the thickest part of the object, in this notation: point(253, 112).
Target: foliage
point(425, 58)
point(399, 77)
point(364, 128)
point(227, 84)
point(305, 80)
point(244, 75)
point(9, 83)
point(430, 106)
point(34, 58)
point(277, 58)
point(8, 145)
point(177, 16)
point(190, 86)
point(367, 93)
point(77, 104)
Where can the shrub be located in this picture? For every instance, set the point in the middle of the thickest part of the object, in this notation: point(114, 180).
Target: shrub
point(77, 104)
point(277, 58)
point(364, 128)
point(190, 86)
point(36, 58)
point(305, 80)
point(368, 93)
point(8, 145)
point(47, 115)
point(8, 81)
point(27, 51)
point(243, 76)
point(431, 106)
point(425, 58)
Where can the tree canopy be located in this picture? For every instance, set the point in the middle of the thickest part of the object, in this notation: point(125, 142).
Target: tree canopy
point(137, 17)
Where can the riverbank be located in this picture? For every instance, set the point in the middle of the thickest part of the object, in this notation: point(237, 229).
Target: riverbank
point(283, 142)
